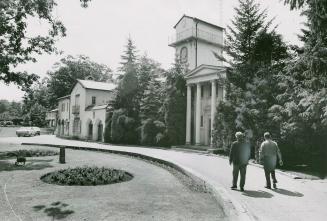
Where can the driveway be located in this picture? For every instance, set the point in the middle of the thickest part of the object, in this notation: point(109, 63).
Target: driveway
point(295, 199)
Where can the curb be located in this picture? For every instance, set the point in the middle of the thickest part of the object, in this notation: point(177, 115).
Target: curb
point(233, 209)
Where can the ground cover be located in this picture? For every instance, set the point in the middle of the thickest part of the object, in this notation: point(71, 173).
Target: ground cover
point(153, 194)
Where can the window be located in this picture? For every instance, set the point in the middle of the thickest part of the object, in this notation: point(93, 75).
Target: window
point(183, 54)
point(77, 99)
point(93, 100)
point(63, 107)
point(201, 124)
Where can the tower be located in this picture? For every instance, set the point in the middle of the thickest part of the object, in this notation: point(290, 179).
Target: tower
point(196, 40)
point(195, 43)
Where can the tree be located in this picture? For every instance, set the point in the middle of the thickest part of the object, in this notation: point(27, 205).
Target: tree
point(247, 23)
point(258, 55)
point(129, 57)
point(68, 70)
point(16, 47)
point(175, 104)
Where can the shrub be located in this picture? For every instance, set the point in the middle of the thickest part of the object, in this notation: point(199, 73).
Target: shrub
point(123, 128)
point(30, 153)
point(86, 176)
point(152, 132)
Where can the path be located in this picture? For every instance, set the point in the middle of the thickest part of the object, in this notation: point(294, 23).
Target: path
point(294, 200)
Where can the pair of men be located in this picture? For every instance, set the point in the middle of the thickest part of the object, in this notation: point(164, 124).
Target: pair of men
point(240, 154)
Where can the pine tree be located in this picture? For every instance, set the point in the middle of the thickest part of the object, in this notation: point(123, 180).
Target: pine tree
point(129, 56)
point(151, 101)
point(175, 104)
point(247, 23)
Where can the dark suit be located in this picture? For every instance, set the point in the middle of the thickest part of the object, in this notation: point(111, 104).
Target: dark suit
point(239, 155)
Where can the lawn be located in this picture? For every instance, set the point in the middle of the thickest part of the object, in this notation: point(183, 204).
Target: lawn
point(154, 193)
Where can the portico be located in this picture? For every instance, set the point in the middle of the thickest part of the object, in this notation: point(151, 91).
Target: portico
point(205, 89)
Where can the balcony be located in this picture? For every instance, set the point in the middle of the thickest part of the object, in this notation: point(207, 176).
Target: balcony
point(76, 109)
point(201, 35)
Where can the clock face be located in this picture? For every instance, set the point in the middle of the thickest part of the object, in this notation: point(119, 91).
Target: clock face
point(183, 54)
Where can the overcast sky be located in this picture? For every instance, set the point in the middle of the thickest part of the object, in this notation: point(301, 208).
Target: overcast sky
point(100, 31)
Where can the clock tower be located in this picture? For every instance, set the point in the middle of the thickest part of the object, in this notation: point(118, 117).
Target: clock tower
point(196, 40)
point(195, 43)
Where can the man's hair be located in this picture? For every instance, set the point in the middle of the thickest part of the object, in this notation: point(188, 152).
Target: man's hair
point(238, 134)
point(267, 135)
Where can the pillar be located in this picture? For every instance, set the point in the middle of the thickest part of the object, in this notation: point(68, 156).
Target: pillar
point(188, 115)
point(198, 114)
point(213, 105)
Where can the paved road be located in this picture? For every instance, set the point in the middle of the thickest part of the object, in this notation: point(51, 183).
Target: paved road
point(294, 200)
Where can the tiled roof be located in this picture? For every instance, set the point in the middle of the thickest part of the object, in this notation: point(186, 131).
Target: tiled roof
point(97, 85)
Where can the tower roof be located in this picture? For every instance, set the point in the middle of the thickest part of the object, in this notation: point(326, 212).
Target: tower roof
point(198, 20)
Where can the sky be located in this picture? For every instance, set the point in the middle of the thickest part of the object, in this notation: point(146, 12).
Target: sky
point(101, 30)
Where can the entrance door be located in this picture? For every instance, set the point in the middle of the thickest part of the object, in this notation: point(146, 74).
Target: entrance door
point(90, 134)
point(100, 131)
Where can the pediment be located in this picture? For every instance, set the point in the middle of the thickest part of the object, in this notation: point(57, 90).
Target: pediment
point(206, 73)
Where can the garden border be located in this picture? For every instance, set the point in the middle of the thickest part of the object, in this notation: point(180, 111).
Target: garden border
point(233, 209)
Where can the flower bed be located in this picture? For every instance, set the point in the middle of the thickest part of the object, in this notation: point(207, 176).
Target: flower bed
point(86, 176)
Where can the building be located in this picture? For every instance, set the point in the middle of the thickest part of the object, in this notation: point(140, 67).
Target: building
point(195, 42)
point(51, 118)
point(82, 114)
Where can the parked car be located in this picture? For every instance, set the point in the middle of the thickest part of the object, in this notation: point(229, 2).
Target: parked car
point(26, 131)
point(37, 130)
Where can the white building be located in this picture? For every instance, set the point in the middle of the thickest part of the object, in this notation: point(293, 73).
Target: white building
point(82, 114)
point(51, 118)
point(195, 41)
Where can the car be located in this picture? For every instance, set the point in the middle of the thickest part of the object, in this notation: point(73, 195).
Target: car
point(26, 131)
point(37, 130)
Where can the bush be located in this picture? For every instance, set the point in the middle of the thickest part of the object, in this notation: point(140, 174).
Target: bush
point(123, 128)
point(30, 153)
point(86, 176)
point(152, 132)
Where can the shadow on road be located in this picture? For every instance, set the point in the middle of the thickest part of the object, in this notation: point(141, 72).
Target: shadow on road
point(6, 165)
point(288, 192)
point(257, 194)
point(56, 210)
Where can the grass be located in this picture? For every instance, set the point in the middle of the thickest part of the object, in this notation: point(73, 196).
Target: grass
point(86, 176)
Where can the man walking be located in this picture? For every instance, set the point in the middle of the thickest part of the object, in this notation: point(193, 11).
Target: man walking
point(239, 155)
point(269, 153)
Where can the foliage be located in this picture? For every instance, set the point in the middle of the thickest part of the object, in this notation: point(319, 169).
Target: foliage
point(152, 132)
point(129, 57)
point(247, 23)
point(251, 80)
point(86, 176)
point(17, 46)
point(37, 115)
point(10, 110)
point(66, 72)
point(29, 153)
point(123, 128)
point(174, 106)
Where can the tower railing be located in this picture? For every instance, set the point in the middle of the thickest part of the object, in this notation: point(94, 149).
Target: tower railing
point(200, 34)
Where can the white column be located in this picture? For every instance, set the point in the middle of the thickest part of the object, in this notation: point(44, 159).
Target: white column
point(213, 105)
point(188, 115)
point(198, 114)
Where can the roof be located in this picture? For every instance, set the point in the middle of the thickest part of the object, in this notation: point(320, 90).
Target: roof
point(92, 107)
point(205, 66)
point(198, 20)
point(64, 97)
point(95, 85)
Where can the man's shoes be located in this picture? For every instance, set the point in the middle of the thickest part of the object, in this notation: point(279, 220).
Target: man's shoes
point(234, 187)
point(275, 186)
point(242, 189)
point(268, 187)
